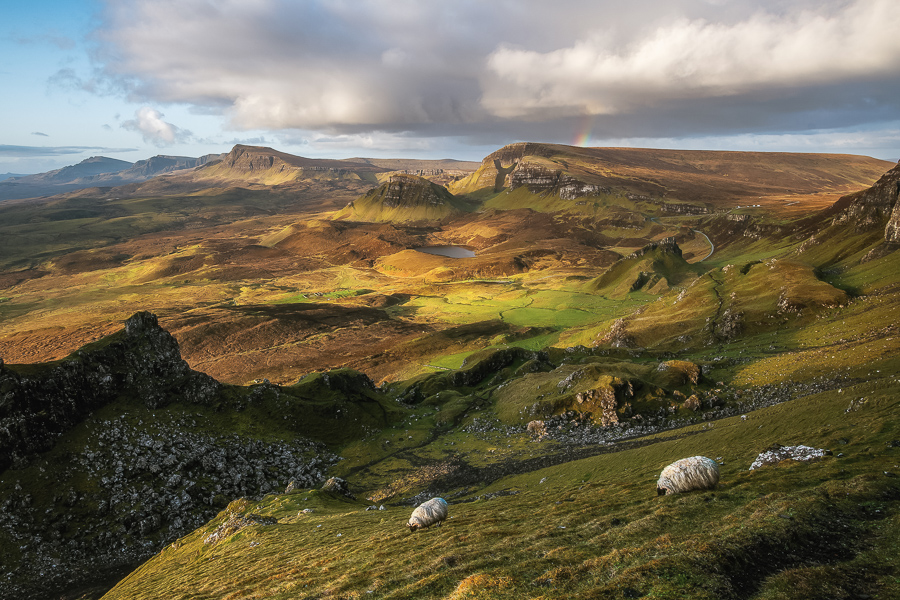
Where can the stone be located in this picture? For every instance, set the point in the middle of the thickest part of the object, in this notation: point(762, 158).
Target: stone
point(777, 453)
point(692, 403)
point(338, 486)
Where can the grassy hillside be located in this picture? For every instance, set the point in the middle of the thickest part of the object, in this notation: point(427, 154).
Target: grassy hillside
point(620, 313)
point(589, 528)
point(403, 198)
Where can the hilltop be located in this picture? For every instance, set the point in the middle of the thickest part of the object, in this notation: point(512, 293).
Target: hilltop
point(778, 182)
point(610, 311)
point(402, 198)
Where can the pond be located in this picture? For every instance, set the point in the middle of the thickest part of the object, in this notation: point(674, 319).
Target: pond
point(448, 251)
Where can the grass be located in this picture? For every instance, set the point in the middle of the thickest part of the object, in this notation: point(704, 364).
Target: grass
point(535, 519)
point(590, 528)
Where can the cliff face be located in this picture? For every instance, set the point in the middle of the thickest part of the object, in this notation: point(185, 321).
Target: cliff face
point(114, 452)
point(540, 180)
point(402, 198)
point(892, 230)
point(410, 192)
point(526, 165)
point(36, 409)
point(869, 209)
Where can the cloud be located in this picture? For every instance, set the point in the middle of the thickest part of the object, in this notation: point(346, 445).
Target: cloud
point(698, 59)
point(149, 123)
point(386, 71)
point(7, 150)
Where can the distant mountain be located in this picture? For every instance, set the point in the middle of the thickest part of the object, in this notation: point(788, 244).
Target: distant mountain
point(259, 164)
point(4, 176)
point(97, 171)
point(94, 165)
point(157, 165)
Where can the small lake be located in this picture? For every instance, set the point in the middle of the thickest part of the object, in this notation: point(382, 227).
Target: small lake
point(448, 251)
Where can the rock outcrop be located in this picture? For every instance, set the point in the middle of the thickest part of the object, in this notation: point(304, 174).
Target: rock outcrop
point(402, 198)
point(540, 180)
point(113, 452)
point(143, 362)
point(666, 246)
point(871, 208)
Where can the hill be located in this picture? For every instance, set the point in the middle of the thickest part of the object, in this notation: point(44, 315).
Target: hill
point(259, 164)
point(656, 268)
point(539, 386)
point(403, 198)
point(94, 172)
point(777, 183)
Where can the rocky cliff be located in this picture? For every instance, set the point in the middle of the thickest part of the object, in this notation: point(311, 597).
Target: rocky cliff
point(403, 198)
point(870, 208)
point(36, 408)
point(121, 448)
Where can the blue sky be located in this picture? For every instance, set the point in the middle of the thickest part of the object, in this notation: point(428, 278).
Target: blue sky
point(131, 79)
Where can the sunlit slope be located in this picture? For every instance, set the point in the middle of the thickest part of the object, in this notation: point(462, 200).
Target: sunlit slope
point(785, 183)
point(403, 198)
point(589, 528)
point(656, 268)
point(258, 164)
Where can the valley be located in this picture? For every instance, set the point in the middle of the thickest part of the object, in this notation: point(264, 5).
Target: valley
point(615, 309)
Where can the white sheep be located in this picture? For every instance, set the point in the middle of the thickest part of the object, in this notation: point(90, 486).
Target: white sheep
point(428, 513)
point(694, 473)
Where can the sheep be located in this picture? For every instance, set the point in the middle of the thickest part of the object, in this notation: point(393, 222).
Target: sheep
point(694, 473)
point(428, 513)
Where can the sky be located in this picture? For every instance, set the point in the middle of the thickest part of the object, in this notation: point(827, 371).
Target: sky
point(130, 79)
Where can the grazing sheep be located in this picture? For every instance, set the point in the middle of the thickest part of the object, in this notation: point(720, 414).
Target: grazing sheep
point(428, 513)
point(694, 473)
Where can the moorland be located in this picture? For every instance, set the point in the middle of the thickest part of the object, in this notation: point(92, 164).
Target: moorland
point(188, 357)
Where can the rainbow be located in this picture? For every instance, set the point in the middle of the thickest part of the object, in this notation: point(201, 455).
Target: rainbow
point(584, 131)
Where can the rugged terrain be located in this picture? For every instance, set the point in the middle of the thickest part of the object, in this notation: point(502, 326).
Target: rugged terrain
point(623, 308)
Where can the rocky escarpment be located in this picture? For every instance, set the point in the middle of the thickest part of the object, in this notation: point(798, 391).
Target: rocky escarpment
point(36, 408)
point(121, 448)
point(870, 208)
point(402, 198)
point(411, 191)
point(540, 180)
point(666, 246)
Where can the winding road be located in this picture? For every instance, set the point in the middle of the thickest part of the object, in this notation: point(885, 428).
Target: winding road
point(712, 247)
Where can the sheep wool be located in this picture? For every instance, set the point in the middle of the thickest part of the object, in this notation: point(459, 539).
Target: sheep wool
point(694, 473)
point(428, 513)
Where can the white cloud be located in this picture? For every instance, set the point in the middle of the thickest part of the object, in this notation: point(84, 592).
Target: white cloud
point(149, 123)
point(766, 52)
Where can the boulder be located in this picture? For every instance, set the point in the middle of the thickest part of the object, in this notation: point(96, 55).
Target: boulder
point(777, 453)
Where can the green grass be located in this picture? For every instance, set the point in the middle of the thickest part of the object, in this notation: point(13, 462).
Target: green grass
point(318, 297)
point(590, 528)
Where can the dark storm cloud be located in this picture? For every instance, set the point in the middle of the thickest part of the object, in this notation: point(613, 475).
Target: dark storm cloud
point(531, 70)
